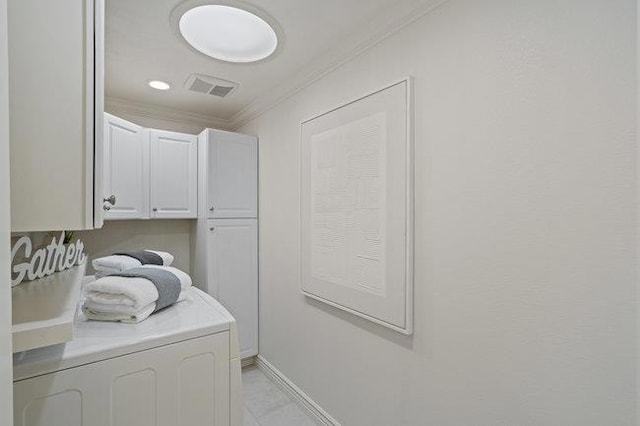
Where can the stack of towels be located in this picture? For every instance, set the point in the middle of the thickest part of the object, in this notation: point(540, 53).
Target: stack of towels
point(130, 286)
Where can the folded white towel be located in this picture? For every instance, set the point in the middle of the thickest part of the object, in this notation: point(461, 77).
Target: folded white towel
point(119, 263)
point(99, 312)
point(127, 299)
point(124, 309)
point(120, 291)
point(127, 317)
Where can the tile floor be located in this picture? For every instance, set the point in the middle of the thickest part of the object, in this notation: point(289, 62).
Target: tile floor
point(266, 404)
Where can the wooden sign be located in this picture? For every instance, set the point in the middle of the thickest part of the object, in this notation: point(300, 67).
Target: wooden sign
point(54, 257)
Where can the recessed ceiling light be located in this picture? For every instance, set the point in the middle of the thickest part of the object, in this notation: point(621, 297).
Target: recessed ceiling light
point(227, 33)
point(159, 85)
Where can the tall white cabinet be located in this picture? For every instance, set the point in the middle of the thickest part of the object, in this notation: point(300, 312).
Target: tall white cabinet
point(225, 236)
point(148, 173)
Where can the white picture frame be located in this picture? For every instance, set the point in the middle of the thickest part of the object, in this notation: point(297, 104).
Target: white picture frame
point(357, 206)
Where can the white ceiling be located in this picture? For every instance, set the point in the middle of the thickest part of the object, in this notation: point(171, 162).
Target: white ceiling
point(141, 45)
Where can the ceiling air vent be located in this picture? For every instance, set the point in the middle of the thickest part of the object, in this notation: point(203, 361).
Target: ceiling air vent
point(210, 85)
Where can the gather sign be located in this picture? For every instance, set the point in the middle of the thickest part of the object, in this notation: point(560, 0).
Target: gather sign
point(54, 257)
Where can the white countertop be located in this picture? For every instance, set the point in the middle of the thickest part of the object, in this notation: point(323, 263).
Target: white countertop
point(44, 310)
point(199, 315)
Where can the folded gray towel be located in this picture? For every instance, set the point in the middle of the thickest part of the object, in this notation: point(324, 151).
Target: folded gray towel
point(167, 283)
point(145, 257)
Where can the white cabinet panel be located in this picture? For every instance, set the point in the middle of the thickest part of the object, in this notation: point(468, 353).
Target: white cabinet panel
point(126, 169)
point(174, 175)
point(232, 175)
point(64, 408)
point(233, 275)
point(53, 127)
point(75, 397)
point(197, 383)
point(185, 383)
point(134, 398)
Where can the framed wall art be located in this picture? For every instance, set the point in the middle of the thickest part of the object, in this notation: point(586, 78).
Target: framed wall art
point(357, 207)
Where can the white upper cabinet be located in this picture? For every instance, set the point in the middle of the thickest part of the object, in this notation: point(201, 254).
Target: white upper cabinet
point(126, 170)
point(148, 173)
point(232, 174)
point(55, 95)
point(174, 175)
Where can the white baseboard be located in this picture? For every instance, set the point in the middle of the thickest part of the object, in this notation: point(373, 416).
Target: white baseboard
point(308, 404)
point(246, 362)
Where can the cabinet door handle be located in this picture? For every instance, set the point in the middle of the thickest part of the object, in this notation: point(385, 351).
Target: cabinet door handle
point(211, 208)
point(111, 200)
point(106, 207)
point(213, 228)
point(155, 209)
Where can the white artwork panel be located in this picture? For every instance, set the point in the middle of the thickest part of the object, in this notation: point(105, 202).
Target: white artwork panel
point(347, 221)
point(356, 207)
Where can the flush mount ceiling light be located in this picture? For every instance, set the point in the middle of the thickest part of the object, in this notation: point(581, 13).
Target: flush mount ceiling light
point(159, 85)
point(230, 31)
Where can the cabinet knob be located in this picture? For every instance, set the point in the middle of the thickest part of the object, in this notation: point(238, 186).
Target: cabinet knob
point(111, 200)
point(213, 228)
point(106, 207)
point(155, 209)
point(211, 208)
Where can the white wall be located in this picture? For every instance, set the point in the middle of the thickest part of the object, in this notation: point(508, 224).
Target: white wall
point(525, 299)
point(6, 373)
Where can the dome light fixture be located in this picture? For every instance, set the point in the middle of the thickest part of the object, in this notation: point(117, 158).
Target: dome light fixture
point(231, 31)
point(159, 85)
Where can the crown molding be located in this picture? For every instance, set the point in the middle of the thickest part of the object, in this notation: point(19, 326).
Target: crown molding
point(378, 29)
point(139, 109)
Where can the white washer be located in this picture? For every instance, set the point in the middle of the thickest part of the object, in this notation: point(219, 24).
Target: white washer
point(180, 366)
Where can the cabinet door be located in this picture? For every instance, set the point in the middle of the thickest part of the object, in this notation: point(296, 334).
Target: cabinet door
point(174, 175)
point(233, 175)
point(126, 173)
point(183, 384)
point(74, 397)
point(52, 96)
point(233, 275)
